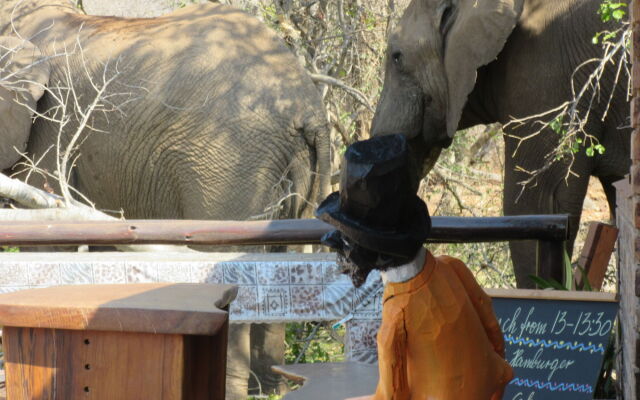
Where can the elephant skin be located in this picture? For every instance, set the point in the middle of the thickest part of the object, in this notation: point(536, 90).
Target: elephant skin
point(208, 116)
point(453, 64)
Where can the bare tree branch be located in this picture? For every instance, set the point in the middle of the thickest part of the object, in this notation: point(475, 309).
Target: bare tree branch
point(358, 95)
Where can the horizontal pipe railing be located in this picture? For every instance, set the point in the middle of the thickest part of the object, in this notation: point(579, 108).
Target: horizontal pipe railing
point(549, 228)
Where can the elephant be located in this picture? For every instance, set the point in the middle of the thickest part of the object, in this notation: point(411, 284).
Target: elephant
point(453, 64)
point(203, 113)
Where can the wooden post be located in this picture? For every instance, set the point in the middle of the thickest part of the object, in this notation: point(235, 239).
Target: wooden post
point(629, 362)
point(136, 341)
point(597, 250)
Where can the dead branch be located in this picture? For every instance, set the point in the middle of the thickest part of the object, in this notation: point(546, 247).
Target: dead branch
point(570, 118)
point(358, 95)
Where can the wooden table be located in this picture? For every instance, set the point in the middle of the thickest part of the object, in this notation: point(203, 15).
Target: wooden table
point(335, 381)
point(136, 341)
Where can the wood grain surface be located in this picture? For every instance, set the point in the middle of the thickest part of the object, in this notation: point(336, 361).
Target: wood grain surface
point(552, 294)
point(48, 364)
point(595, 255)
point(194, 309)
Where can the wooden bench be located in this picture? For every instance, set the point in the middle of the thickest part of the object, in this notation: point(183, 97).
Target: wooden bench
point(136, 341)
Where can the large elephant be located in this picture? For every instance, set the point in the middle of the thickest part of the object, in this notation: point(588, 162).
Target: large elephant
point(206, 115)
point(452, 64)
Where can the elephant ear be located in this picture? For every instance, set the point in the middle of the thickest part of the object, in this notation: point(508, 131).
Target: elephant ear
point(478, 34)
point(23, 76)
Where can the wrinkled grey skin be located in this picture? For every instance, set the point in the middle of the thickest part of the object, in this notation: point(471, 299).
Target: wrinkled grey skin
point(216, 119)
point(524, 58)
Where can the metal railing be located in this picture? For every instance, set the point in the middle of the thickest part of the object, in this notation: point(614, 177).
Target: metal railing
point(550, 231)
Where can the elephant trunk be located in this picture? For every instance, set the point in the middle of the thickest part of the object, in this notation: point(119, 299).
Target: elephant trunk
point(323, 164)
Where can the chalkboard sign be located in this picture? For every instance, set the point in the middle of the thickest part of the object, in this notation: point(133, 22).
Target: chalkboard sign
point(555, 341)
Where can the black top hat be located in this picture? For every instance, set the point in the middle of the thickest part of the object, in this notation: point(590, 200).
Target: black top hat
point(377, 207)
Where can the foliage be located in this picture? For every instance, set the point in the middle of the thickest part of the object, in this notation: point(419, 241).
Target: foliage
point(9, 249)
point(310, 342)
point(612, 11)
point(268, 397)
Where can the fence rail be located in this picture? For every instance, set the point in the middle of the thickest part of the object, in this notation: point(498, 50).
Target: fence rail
point(549, 230)
point(281, 232)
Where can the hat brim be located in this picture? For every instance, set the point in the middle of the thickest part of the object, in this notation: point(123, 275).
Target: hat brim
point(403, 241)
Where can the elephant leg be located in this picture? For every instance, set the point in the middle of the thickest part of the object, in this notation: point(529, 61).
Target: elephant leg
point(267, 349)
point(238, 354)
point(549, 194)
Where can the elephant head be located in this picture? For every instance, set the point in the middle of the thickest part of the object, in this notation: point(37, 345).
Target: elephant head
point(431, 62)
point(23, 74)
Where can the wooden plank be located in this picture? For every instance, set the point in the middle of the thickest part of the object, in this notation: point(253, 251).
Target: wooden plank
point(194, 309)
point(595, 255)
point(30, 362)
point(444, 229)
point(552, 295)
point(96, 365)
point(205, 366)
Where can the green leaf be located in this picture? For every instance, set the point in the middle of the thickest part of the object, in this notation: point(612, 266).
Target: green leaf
point(586, 286)
point(590, 151)
point(568, 271)
point(600, 148)
point(546, 284)
point(618, 14)
point(556, 124)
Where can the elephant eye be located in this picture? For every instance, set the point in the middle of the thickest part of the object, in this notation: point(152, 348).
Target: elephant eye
point(396, 57)
point(446, 20)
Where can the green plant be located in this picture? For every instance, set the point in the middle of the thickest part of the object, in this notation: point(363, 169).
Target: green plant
point(310, 342)
point(610, 10)
point(269, 397)
point(551, 283)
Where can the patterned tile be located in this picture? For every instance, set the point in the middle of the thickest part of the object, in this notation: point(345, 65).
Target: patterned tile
point(174, 272)
point(306, 300)
point(268, 291)
point(306, 273)
point(274, 301)
point(106, 272)
point(14, 274)
point(44, 274)
point(76, 273)
point(141, 272)
point(331, 275)
point(337, 300)
point(366, 302)
point(245, 306)
point(273, 274)
point(361, 338)
point(239, 273)
point(207, 272)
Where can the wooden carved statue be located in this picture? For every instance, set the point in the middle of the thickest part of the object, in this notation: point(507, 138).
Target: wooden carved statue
point(439, 337)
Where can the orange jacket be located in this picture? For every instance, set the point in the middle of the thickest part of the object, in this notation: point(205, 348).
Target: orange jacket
point(439, 338)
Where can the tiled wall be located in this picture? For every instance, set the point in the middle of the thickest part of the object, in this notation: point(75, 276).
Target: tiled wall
point(272, 287)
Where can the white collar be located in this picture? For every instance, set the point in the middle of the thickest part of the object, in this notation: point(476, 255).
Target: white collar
point(407, 271)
